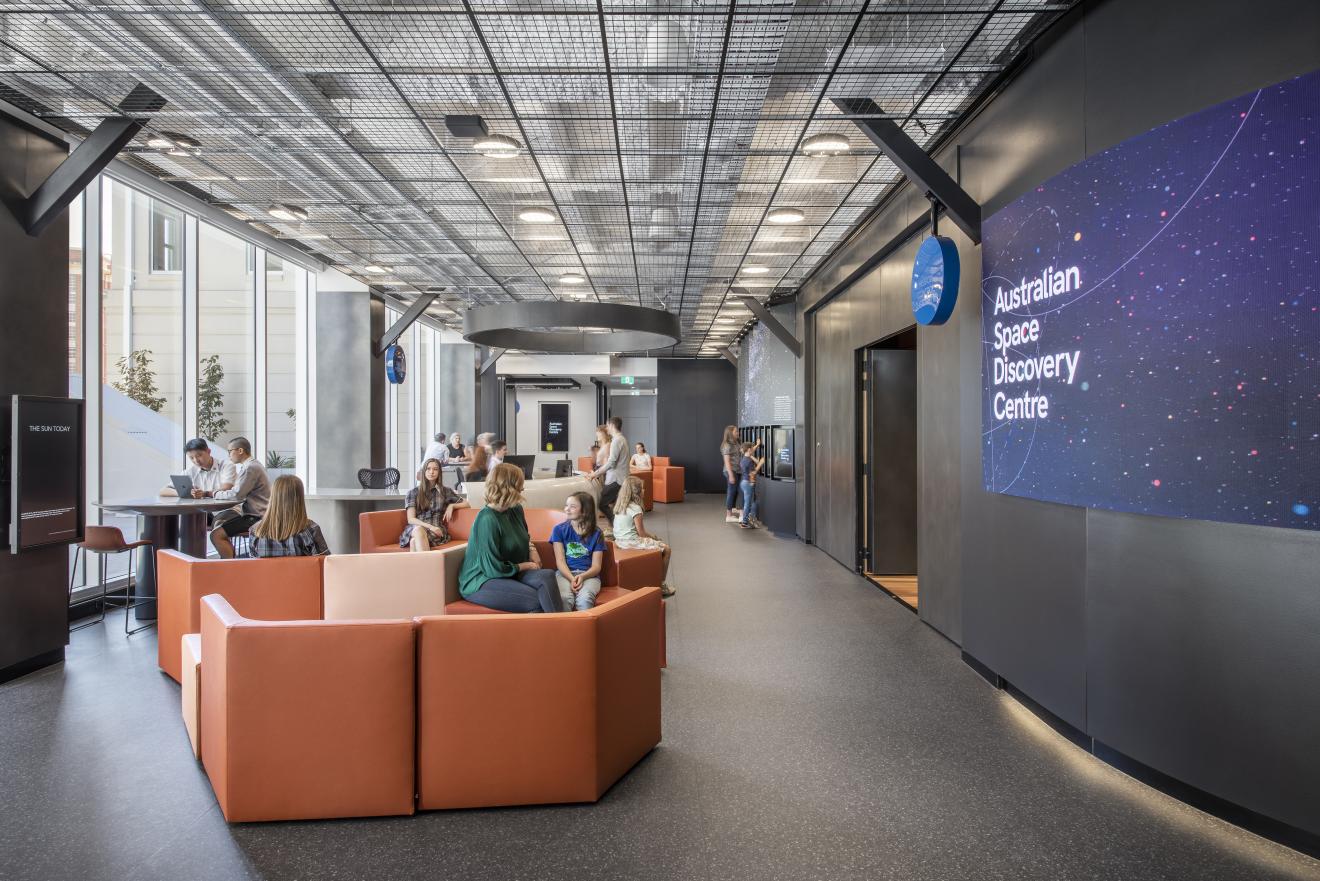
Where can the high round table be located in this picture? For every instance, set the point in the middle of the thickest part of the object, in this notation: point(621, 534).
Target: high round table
point(169, 523)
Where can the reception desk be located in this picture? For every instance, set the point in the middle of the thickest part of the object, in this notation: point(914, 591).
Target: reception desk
point(547, 492)
point(336, 512)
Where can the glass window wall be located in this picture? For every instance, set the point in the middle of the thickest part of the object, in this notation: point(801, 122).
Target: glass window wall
point(284, 281)
point(226, 345)
point(142, 367)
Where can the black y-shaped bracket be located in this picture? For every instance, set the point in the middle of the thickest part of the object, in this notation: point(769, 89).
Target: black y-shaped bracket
point(88, 160)
point(915, 163)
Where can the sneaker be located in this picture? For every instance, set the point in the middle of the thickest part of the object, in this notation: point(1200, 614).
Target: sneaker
point(746, 524)
point(737, 512)
point(666, 591)
point(757, 524)
point(730, 518)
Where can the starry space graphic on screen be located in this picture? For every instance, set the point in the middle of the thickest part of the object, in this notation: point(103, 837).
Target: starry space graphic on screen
point(1151, 322)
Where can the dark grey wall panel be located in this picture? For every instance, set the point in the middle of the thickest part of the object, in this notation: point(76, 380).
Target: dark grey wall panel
point(695, 399)
point(1187, 645)
point(34, 361)
point(1204, 659)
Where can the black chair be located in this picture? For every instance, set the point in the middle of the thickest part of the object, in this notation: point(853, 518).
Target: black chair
point(563, 468)
point(378, 478)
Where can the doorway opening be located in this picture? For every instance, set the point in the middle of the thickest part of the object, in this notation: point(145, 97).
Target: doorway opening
point(888, 477)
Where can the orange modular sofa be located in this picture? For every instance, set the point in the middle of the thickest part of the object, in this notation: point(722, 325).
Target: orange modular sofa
point(273, 590)
point(307, 720)
point(317, 719)
point(668, 480)
point(624, 567)
point(309, 588)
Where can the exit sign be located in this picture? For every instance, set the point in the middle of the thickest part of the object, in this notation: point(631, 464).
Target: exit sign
point(625, 380)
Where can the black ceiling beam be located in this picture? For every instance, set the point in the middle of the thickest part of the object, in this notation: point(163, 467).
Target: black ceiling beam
point(916, 164)
point(757, 308)
point(391, 336)
point(87, 160)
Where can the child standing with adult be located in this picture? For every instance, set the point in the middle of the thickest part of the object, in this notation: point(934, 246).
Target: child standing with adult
point(749, 466)
point(579, 553)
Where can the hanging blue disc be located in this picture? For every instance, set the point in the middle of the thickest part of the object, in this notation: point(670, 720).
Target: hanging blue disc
point(935, 280)
point(396, 364)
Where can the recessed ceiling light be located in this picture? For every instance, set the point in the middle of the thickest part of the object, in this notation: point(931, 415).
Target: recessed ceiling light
point(287, 212)
point(185, 142)
point(537, 215)
point(497, 146)
point(376, 268)
point(312, 235)
point(785, 215)
point(572, 278)
point(755, 269)
point(826, 145)
point(159, 142)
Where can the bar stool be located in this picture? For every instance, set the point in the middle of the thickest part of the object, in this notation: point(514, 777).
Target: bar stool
point(103, 540)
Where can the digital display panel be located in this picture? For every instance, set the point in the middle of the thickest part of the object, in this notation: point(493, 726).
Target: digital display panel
point(46, 460)
point(554, 428)
point(1151, 322)
point(766, 370)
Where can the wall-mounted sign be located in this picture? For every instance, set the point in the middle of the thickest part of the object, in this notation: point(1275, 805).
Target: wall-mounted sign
point(626, 380)
point(42, 456)
point(935, 280)
point(1149, 322)
point(396, 364)
point(554, 428)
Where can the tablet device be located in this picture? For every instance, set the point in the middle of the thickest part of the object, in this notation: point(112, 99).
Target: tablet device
point(182, 485)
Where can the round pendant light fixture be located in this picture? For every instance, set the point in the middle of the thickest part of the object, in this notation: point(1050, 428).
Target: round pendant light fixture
point(826, 145)
point(537, 214)
point(785, 215)
point(571, 327)
point(572, 278)
point(497, 146)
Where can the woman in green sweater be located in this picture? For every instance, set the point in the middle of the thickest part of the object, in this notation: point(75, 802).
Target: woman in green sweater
point(501, 568)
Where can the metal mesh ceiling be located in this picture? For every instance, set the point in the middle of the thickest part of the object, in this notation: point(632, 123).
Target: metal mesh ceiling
point(660, 132)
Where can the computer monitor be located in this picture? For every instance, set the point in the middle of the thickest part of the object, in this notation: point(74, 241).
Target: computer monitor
point(526, 463)
point(563, 468)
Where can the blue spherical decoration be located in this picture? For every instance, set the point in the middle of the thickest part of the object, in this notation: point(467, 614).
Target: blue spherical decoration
point(935, 280)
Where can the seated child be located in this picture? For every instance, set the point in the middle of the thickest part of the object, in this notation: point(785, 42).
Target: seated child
point(579, 553)
point(630, 531)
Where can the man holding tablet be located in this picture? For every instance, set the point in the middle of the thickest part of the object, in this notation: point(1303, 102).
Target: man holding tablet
point(206, 474)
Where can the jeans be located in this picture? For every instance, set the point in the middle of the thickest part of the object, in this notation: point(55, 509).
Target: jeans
point(584, 599)
point(730, 494)
point(531, 591)
point(608, 496)
point(749, 500)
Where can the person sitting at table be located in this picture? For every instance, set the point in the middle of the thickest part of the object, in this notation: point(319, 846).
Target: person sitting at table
point(437, 449)
point(206, 472)
point(456, 446)
point(483, 440)
point(501, 567)
point(286, 530)
point(477, 461)
point(430, 506)
point(641, 460)
point(251, 490)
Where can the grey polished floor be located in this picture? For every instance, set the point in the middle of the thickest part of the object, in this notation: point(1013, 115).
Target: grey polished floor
point(813, 729)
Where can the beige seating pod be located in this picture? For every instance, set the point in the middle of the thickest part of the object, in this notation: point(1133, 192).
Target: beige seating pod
point(191, 693)
point(364, 586)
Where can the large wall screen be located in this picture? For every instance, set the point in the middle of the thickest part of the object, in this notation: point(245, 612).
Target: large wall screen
point(1151, 322)
point(766, 375)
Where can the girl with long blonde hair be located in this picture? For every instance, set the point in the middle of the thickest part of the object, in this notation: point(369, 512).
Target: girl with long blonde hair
point(286, 530)
point(630, 530)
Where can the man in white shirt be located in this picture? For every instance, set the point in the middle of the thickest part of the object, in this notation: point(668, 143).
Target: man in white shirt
point(251, 489)
point(615, 467)
point(437, 449)
point(207, 473)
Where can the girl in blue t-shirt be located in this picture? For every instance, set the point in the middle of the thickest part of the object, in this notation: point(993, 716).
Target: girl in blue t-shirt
point(579, 553)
